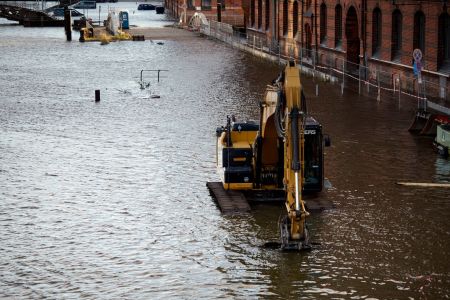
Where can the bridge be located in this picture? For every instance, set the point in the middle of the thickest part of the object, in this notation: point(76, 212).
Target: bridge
point(32, 15)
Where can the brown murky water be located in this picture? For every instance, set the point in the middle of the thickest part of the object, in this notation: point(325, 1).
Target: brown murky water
point(108, 200)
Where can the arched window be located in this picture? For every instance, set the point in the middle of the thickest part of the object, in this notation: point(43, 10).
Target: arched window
point(259, 13)
point(376, 31)
point(308, 40)
point(444, 40)
point(295, 18)
point(252, 13)
point(419, 31)
point(396, 43)
point(338, 26)
point(285, 17)
point(267, 14)
point(308, 4)
point(323, 22)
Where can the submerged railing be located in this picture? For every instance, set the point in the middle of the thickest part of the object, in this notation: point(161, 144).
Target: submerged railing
point(144, 84)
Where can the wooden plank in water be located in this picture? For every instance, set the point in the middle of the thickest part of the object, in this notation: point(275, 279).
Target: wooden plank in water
point(425, 184)
point(230, 202)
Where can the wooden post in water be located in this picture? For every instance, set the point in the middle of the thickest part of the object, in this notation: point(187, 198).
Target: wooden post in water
point(219, 11)
point(68, 23)
point(378, 83)
point(359, 81)
point(97, 95)
point(301, 59)
point(82, 40)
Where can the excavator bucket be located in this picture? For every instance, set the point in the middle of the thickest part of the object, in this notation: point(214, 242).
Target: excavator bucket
point(286, 243)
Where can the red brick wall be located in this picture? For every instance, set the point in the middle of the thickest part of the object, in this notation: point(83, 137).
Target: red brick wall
point(232, 14)
point(383, 61)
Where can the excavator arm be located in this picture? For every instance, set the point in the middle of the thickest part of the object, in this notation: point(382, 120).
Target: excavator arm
point(293, 231)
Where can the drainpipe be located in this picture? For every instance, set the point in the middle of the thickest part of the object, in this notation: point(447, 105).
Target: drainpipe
point(315, 30)
point(274, 22)
point(364, 32)
point(302, 24)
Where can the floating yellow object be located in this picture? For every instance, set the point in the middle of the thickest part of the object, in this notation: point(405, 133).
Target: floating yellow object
point(105, 38)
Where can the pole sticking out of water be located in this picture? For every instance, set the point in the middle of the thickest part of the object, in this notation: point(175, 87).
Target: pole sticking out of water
point(97, 95)
point(317, 89)
point(378, 82)
point(359, 81)
point(68, 23)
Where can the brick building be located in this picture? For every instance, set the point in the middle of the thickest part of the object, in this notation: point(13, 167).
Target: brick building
point(379, 34)
point(228, 11)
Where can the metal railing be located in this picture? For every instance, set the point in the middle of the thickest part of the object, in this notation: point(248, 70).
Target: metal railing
point(372, 82)
point(21, 4)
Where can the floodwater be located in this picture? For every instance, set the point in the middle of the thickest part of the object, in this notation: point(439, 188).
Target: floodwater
point(108, 200)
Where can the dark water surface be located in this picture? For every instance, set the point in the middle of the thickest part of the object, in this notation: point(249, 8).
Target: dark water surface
point(108, 200)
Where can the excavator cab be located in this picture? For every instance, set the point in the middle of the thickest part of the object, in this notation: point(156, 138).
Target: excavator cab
point(235, 154)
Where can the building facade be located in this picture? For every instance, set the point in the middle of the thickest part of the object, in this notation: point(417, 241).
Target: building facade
point(377, 34)
point(227, 11)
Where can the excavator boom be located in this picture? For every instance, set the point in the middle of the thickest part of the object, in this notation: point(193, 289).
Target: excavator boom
point(293, 230)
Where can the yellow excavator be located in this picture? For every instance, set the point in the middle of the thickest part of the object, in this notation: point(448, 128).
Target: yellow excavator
point(283, 155)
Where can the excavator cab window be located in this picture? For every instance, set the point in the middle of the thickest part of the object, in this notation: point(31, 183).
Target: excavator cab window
point(313, 159)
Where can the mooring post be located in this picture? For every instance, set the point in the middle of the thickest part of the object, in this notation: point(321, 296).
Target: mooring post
point(68, 23)
point(314, 65)
point(359, 81)
point(343, 74)
point(378, 82)
point(399, 89)
point(82, 40)
point(301, 59)
point(394, 82)
point(330, 64)
point(219, 11)
point(97, 95)
point(317, 89)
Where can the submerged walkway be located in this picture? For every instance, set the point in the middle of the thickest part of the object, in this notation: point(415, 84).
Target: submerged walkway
point(344, 78)
point(152, 33)
point(163, 33)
